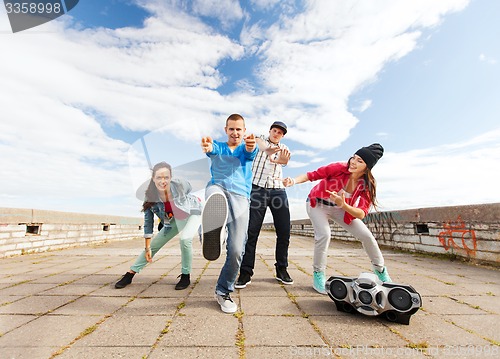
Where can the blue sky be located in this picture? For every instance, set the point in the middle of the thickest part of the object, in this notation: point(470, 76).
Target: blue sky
point(81, 94)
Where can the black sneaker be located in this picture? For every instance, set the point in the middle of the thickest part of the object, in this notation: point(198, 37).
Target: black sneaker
point(283, 276)
point(213, 223)
point(243, 280)
point(184, 282)
point(126, 280)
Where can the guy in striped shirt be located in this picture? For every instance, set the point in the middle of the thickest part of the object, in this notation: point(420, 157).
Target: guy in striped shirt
point(268, 191)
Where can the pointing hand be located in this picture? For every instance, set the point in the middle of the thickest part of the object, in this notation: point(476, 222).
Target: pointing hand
point(207, 144)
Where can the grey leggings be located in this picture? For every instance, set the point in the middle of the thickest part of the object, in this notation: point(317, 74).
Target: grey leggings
point(319, 216)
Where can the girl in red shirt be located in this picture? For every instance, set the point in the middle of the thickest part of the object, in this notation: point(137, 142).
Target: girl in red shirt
point(345, 193)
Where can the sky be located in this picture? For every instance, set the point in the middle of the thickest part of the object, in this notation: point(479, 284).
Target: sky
point(90, 99)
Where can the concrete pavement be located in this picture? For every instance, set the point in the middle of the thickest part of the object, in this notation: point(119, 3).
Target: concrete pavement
point(63, 304)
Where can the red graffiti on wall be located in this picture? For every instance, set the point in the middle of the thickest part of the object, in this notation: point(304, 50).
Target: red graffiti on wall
point(457, 230)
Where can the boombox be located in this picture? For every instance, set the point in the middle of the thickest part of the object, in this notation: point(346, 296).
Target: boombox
point(366, 294)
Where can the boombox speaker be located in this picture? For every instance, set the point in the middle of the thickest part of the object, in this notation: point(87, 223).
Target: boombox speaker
point(366, 294)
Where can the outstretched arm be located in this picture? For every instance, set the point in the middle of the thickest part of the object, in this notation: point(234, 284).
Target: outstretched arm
point(283, 156)
point(288, 182)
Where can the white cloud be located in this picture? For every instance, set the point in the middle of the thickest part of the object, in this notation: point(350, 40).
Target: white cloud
point(319, 160)
point(363, 106)
point(307, 153)
point(382, 135)
point(54, 152)
point(487, 59)
point(59, 83)
point(314, 61)
point(452, 174)
point(297, 209)
point(265, 4)
point(226, 11)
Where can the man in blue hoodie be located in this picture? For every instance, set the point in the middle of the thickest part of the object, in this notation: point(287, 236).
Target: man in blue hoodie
point(228, 201)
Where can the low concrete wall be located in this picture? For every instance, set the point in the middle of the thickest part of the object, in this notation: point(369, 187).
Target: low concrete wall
point(470, 232)
point(32, 230)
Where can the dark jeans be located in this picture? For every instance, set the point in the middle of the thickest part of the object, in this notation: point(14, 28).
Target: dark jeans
point(277, 201)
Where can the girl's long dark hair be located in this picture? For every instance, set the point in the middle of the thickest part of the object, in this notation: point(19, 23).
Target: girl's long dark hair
point(151, 194)
point(370, 185)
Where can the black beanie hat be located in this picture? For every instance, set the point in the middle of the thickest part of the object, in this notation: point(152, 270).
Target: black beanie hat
point(371, 154)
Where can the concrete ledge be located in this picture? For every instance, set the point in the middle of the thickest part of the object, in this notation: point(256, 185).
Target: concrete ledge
point(25, 231)
point(21, 215)
point(471, 232)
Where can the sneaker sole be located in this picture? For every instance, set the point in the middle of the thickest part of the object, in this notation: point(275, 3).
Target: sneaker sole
point(241, 286)
point(213, 221)
point(282, 281)
point(181, 287)
point(319, 291)
point(230, 311)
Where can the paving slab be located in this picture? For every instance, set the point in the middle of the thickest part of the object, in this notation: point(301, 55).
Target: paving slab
point(24, 352)
point(150, 307)
point(279, 330)
point(26, 288)
point(488, 303)
point(446, 305)
point(480, 325)
point(194, 352)
point(273, 305)
point(72, 289)
point(10, 322)
point(47, 331)
point(6, 299)
point(91, 305)
point(57, 278)
point(37, 305)
point(123, 330)
point(63, 304)
point(96, 352)
point(437, 330)
point(356, 330)
point(208, 331)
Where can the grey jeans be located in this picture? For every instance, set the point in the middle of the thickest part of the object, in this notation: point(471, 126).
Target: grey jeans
point(319, 216)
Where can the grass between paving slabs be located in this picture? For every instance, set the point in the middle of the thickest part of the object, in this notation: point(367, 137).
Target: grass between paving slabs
point(293, 299)
point(240, 334)
point(92, 328)
point(420, 346)
point(177, 313)
point(492, 341)
point(83, 334)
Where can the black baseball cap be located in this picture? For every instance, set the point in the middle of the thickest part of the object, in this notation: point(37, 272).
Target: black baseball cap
point(280, 125)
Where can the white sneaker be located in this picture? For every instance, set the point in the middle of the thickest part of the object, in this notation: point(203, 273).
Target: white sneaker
point(213, 224)
point(226, 303)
